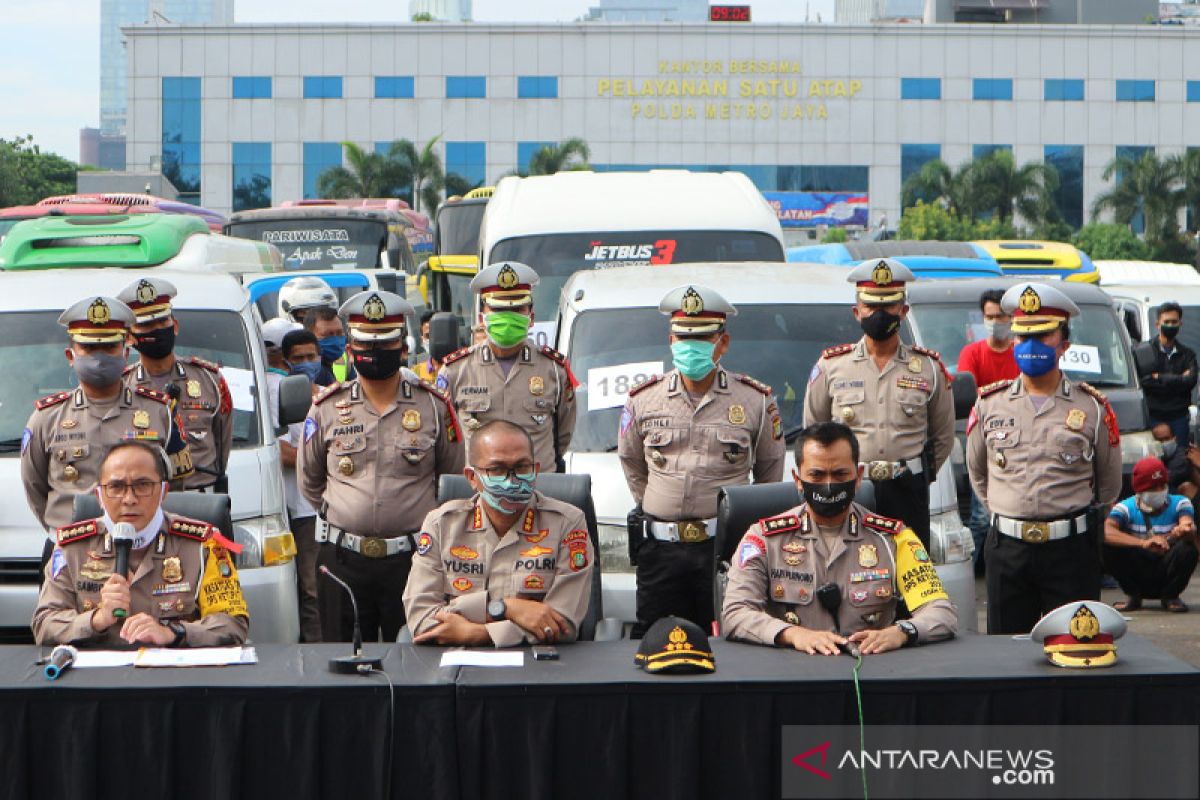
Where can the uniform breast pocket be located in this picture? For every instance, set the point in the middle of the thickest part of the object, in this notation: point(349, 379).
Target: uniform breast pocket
point(475, 403)
point(848, 405)
point(659, 449)
point(1000, 444)
point(72, 452)
point(912, 402)
point(1071, 448)
point(870, 593)
point(411, 450)
point(347, 455)
point(734, 446)
point(540, 409)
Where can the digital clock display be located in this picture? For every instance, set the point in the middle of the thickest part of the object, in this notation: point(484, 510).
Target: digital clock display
point(729, 13)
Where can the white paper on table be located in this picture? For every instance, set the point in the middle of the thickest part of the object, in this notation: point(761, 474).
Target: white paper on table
point(241, 387)
point(483, 658)
point(607, 387)
point(195, 656)
point(104, 658)
point(1082, 358)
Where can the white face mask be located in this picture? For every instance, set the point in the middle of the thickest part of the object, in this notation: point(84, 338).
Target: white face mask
point(146, 535)
point(1152, 501)
point(1169, 447)
point(997, 329)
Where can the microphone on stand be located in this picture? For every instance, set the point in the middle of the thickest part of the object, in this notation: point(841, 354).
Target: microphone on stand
point(356, 663)
point(61, 659)
point(123, 535)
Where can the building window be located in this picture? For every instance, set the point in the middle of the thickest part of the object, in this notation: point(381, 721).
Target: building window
point(525, 151)
point(466, 86)
point(468, 160)
point(1067, 160)
point(992, 88)
point(251, 87)
point(826, 178)
point(322, 86)
point(1193, 91)
point(920, 88)
point(251, 175)
point(1059, 89)
point(318, 157)
point(1135, 91)
point(1133, 152)
point(394, 86)
point(915, 156)
point(181, 136)
point(982, 150)
point(537, 86)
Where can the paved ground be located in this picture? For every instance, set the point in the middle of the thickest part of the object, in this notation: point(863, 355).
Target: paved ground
point(1176, 633)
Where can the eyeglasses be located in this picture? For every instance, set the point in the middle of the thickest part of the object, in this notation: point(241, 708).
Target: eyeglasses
point(525, 471)
point(117, 489)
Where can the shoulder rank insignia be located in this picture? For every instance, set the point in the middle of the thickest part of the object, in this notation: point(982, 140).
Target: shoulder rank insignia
point(1110, 417)
point(190, 528)
point(79, 530)
point(326, 393)
point(433, 390)
point(925, 351)
point(457, 355)
point(1093, 391)
point(554, 355)
point(51, 400)
point(648, 382)
point(992, 388)
point(754, 383)
point(837, 350)
point(208, 365)
point(153, 394)
point(885, 524)
point(781, 524)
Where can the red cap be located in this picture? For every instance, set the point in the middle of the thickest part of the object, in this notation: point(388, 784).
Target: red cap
point(1148, 473)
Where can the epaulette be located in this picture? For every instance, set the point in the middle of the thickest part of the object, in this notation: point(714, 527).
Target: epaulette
point(885, 524)
point(1110, 416)
point(51, 400)
point(925, 351)
point(433, 390)
point(457, 355)
point(754, 383)
point(554, 355)
point(324, 394)
point(781, 524)
point(153, 394)
point(1093, 391)
point(208, 365)
point(77, 531)
point(190, 528)
point(653, 379)
point(836, 350)
point(992, 388)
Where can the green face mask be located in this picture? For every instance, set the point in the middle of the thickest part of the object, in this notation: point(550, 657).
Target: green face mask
point(693, 358)
point(507, 328)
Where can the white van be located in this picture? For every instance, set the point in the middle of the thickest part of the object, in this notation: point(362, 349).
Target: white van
point(613, 333)
point(570, 221)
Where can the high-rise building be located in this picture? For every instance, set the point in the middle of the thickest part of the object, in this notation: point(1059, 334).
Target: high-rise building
point(649, 11)
point(442, 10)
point(864, 12)
point(1046, 12)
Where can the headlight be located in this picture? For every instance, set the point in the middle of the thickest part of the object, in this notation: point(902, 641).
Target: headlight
point(949, 540)
point(266, 541)
point(1136, 446)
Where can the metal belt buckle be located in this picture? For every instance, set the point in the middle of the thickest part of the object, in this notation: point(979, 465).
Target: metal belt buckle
point(374, 547)
point(1035, 532)
point(880, 470)
point(692, 532)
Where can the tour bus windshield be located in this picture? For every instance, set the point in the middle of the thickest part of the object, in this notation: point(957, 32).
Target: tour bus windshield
point(33, 343)
point(558, 256)
point(315, 243)
point(458, 228)
point(613, 349)
point(1097, 353)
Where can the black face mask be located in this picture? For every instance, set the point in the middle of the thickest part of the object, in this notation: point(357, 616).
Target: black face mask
point(377, 364)
point(828, 499)
point(1169, 331)
point(155, 344)
point(880, 325)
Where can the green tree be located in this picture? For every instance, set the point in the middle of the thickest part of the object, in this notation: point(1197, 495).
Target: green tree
point(834, 236)
point(420, 171)
point(930, 221)
point(458, 185)
point(1149, 185)
point(366, 174)
point(995, 184)
point(1189, 172)
point(571, 154)
point(423, 16)
point(935, 182)
point(27, 174)
point(1106, 241)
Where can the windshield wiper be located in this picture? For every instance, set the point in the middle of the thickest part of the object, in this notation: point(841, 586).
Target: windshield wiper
point(10, 445)
point(1109, 384)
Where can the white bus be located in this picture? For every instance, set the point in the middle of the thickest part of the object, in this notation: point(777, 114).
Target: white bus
point(563, 223)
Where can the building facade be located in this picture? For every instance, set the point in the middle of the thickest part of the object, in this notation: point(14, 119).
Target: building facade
point(442, 10)
point(243, 114)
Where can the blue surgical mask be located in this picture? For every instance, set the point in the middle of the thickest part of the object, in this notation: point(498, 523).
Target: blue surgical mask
point(332, 347)
point(693, 358)
point(309, 369)
point(1034, 357)
point(509, 494)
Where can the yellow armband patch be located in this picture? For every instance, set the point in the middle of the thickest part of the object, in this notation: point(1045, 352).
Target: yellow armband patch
point(918, 580)
point(220, 589)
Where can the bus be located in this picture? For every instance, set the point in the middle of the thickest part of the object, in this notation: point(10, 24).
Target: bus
point(927, 259)
point(418, 233)
point(13, 214)
point(1029, 259)
point(444, 281)
point(127, 201)
point(570, 221)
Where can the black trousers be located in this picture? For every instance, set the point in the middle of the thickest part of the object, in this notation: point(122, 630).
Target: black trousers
point(1159, 576)
point(378, 585)
point(674, 579)
point(304, 530)
point(905, 498)
point(1025, 581)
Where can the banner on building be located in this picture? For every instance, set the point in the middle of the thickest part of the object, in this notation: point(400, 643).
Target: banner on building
point(810, 209)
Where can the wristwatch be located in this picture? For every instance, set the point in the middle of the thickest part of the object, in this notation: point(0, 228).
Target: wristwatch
point(910, 631)
point(176, 627)
point(496, 609)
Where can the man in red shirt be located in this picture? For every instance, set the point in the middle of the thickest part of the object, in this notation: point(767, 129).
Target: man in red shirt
point(989, 360)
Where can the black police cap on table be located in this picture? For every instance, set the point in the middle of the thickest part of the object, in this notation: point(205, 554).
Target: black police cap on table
point(673, 645)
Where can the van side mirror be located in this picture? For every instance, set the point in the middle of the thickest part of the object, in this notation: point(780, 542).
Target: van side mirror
point(443, 335)
point(295, 398)
point(964, 390)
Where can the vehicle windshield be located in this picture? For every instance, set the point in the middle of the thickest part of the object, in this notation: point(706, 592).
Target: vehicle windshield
point(612, 349)
point(1097, 353)
point(32, 344)
point(557, 257)
point(458, 228)
point(315, 243)
point(451, 291)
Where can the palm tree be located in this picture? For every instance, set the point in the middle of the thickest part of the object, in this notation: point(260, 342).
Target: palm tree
point(936, 182)
point(420, 170)
point(1189, 172)
point(456, 184)
point(997, 185)
point(1149, 185)
point(367, 174)
point(560, 157)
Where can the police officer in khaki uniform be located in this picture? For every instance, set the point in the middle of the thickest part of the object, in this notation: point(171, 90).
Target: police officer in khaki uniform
point(683, 436)
point(182, 588)
point(505, 567)
point(68, 431)
point(830, 572)
point(1044, 457)
point(369, 462)
point(895, 397)
point(201, 397)
point(508, 376)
